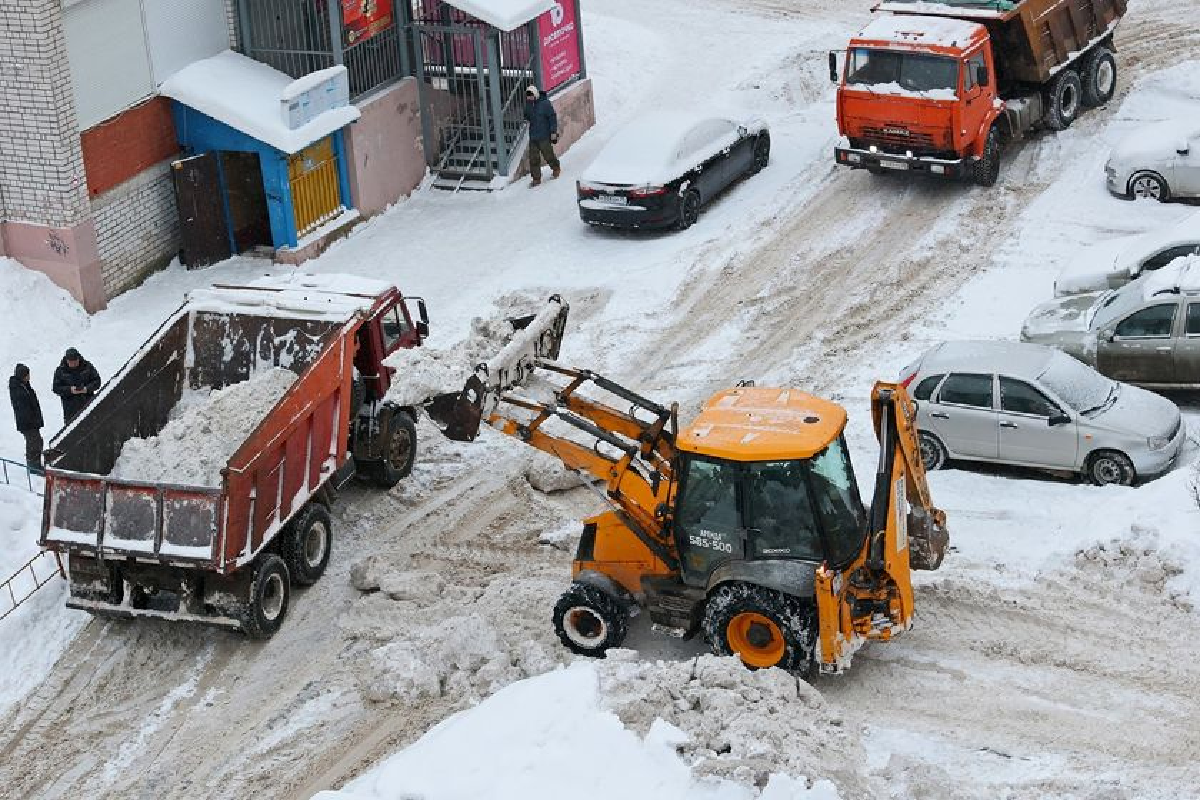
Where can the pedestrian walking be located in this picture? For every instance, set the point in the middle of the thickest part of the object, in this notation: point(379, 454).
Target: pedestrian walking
point(76, 383)
point(543, 134)
point(28, 413)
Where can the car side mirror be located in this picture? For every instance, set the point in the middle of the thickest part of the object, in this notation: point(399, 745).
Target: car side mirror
point(423, 330)
point(1183, 148)
point(981, 75)
point(1058, 419)
point(833, 66)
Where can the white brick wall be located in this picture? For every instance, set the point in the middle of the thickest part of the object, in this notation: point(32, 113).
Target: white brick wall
point(137, 228)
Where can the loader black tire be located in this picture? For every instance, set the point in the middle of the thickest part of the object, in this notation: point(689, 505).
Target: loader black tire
point(400, 451)
point(1099, 77)
point(986, 170)
point(589, 621)
point(268, 595)
point(1063, 100)
point(307, 544)
point(765, 628)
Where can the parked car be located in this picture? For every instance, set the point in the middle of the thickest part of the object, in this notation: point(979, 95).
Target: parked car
point(1014, 403)
point(1160, 161)
point(658, 171)
point(1114, 263)
point(1146, 333)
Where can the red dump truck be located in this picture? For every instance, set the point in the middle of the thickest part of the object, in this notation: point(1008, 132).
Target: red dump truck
point(941, 87)
point(229, 553)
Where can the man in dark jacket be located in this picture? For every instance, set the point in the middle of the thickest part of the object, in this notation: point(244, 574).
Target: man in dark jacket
point(543, 134)
point(76, 382)
point(28, 413)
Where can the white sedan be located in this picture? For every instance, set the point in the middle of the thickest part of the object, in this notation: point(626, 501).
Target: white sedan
point(1114, 263)
point(1160, 162)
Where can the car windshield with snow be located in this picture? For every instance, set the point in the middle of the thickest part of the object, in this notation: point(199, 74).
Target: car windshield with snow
point(661, 169)
point(1146, 332)
point(1033, 406)
point(1112, 264)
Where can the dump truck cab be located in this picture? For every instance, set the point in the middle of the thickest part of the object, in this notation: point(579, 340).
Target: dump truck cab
point(916, 93)
point(393, 326)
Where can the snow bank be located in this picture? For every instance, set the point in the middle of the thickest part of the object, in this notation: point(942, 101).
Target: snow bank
point(553, 737)
point(34, 636)
point(207, 428)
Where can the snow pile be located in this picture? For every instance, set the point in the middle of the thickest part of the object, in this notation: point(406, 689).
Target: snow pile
point(205, 431)
point(36, 634)
point(552, 737)
point(422, 372)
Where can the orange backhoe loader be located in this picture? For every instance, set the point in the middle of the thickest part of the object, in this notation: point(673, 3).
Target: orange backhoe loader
point(746, 526)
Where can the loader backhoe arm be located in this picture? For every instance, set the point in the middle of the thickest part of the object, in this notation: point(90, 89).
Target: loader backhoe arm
point(894, 414)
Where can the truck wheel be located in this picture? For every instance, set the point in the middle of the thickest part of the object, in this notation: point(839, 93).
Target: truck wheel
point(589, 620)
point(1099, 77)
point(1110, 468)
point(399, 449)
point(1063, 100)
point(986, 170)
point(764, 627)
point(307, 546)
point(267, 603)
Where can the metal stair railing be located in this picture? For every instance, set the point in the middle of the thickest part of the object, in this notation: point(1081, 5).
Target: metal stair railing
point(6, 463)
point(9, 600)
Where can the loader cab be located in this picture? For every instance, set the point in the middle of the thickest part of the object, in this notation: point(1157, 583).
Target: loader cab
point(764, 475)
point(389, 329)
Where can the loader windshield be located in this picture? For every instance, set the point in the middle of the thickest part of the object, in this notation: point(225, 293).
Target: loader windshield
point(895, 72)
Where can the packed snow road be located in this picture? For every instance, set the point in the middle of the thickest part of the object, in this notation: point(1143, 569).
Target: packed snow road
point(1047, 661)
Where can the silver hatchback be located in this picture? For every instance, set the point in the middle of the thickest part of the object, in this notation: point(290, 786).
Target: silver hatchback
point(1029, 405)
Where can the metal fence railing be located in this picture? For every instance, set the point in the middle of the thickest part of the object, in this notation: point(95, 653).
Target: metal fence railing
point(36, 573)
point(11, 471)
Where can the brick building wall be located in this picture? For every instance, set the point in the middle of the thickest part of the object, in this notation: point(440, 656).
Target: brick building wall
point(41, 162)
point(137, 228)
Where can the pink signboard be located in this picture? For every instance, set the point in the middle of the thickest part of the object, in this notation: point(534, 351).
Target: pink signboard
point(558, 33)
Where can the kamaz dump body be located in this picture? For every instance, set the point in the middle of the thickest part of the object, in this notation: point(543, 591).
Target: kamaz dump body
point(192, 540)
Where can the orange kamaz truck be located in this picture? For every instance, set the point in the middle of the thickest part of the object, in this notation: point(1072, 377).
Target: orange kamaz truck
point(941, 87)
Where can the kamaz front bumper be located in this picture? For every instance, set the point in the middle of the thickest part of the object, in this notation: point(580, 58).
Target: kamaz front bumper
point(856, 158)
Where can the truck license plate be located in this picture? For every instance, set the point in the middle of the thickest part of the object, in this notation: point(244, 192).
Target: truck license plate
point(893, 164)
point(614, 199)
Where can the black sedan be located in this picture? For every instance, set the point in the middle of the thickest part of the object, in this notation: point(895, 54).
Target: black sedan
point(658, 171)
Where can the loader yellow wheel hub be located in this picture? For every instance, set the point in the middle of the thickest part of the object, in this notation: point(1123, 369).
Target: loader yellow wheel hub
point(757, 639)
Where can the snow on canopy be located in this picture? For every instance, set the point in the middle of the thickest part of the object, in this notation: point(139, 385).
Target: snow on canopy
point(248, 95)
point(983, 9)
point(661, 146)
point(937, 31)
point(503, 14)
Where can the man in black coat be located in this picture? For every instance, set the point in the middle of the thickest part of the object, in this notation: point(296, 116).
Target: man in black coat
point(28, 413)
point(76, 382)
point(543, 133)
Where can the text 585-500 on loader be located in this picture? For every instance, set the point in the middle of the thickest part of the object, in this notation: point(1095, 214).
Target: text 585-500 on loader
point(747, 526)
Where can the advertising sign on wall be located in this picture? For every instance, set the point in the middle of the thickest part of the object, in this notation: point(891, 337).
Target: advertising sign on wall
point(558, 34)
point(362, 19)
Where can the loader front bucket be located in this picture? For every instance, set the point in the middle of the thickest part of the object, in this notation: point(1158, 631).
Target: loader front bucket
point(536, 337)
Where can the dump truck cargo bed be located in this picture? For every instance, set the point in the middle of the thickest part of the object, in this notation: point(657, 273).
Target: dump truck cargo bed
point(219, 338)
point(1033, 38)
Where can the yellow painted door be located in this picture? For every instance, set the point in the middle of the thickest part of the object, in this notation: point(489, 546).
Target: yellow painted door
point(314, 178)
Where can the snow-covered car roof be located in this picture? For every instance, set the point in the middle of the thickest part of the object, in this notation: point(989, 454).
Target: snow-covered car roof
point(1123, 253)
point(651, 149)
point(1155, 141)
point(1181, 276)
point(922, 31)
point(1018, 359)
